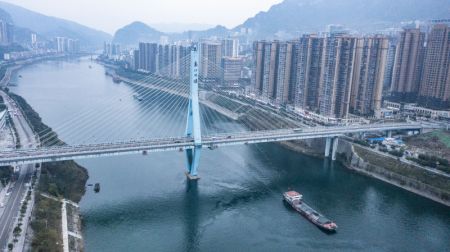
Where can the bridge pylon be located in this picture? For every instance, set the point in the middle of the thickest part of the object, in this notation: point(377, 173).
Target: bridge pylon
point(193, 129)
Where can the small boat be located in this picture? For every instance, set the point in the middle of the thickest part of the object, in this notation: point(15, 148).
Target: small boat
point(90, 67)
point(90, 185)
point(97, 187)
point(20, 76)
point(295, 200)
point(116, 79)
point(144, 153)
point(138, 97)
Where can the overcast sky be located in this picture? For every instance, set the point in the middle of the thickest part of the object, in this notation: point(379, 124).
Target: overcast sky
point(109, 15)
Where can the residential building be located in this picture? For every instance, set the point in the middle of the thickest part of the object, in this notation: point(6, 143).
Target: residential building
point(270, 69)
point(210, 57)
point(258, 67)
point(285, 74)
point(368, 75)
point(232, 68)
point(408, 65)
point(230, 48)
point(435, 84)
point(6, 33)
point(308, 70)
point(148, 57)
point(336, 75)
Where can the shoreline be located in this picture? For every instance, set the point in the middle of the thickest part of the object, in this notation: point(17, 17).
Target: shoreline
point(36, 229)
point(306, 147)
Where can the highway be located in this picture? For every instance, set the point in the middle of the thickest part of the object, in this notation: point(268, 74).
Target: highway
point(12, 206)
point(60, 153)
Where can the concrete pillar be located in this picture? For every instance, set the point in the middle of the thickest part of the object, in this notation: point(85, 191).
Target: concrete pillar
point(327, 147)
point(335, 146)
point(389, 134)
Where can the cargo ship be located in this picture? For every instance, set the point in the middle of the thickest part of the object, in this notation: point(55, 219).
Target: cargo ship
point(295, 199)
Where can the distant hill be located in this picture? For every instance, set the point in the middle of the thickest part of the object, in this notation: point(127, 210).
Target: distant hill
point(292, 17)
point(180, 27)
point(136, 32)
point(50, 27)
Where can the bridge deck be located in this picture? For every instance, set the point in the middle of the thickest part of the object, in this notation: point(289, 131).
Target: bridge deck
point(23, 156)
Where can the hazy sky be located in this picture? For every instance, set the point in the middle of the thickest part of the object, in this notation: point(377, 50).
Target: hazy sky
point(109, 15)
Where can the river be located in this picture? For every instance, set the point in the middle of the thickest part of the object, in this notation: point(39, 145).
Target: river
point(145, 203)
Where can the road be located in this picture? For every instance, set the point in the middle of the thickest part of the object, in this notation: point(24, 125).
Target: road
point(60, 153)
point(12, 206)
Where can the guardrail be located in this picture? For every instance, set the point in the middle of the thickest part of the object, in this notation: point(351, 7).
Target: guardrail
point(165, 144)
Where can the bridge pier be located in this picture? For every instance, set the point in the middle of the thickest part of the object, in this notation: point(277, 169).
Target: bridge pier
point(335, 146)
point(193, 129)
point(389, 134)
point(327, 147)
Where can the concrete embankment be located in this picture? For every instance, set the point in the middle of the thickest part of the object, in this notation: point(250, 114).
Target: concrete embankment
point(410, 177)
point(367, 162)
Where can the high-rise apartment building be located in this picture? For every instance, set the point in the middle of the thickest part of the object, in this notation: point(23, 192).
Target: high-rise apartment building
point(330, 75)
point(230, 48)
point(336, 76)
point(308, 69)
point(211, 58)
point(61, 44)
point(148, 57)
point(285, 73)
point(166, 60)
point(258, 66)
point(408, 65)
point(33, 40)
point(270, 67)
point(368, 75)
point(390, 61)
point(435, 84)
point(232, 68)
point(184, 61)
point(6, 33)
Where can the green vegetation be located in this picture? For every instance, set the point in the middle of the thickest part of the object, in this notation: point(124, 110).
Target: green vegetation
point(5, 174)
point(60, 179)
point(432, 162)
point(442, 136)
point(36, 121)
point(436, 143)
point(361, 142)
point(397, 153)
point(47, 225)
point(406, 170)
point(63, 179)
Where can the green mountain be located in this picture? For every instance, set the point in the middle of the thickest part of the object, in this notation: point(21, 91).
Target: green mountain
point(293, 17)
point(50, 27)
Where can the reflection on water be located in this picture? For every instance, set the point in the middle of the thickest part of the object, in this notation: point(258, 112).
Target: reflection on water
point(146, 204)
point(191, 212)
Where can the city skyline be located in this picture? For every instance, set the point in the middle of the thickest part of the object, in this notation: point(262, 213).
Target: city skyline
point(85, 12)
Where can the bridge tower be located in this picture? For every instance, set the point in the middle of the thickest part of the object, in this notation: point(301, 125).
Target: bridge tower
point(193, 129)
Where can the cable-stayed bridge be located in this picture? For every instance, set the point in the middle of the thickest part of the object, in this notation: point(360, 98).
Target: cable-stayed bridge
point(163, 103)
point(187, 143)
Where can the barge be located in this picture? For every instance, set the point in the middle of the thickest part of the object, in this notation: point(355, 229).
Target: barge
point(295, 200)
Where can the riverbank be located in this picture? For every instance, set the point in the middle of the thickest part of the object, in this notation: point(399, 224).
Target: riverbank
point(60, 180)
point(409, 177)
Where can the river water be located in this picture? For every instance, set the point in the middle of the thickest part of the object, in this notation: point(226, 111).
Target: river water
point(145, 203)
